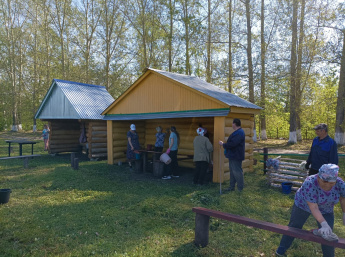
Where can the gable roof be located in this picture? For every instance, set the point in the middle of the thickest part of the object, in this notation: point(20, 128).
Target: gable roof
point(74, 100)
point(208, 89)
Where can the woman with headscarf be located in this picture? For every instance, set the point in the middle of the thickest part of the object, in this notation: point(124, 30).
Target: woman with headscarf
point(132, 144)
point(202, 150)
point(172, 168)
point(317, 196)
point(160, 137)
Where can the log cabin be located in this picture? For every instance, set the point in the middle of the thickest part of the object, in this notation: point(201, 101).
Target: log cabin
point(160, 98)
point(72, 108)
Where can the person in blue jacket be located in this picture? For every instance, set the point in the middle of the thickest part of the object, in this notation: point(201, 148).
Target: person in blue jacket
point(323, 150)
point(234, 151)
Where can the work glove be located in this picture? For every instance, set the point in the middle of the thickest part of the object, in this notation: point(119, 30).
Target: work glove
point(325, 229)
point(168, 151)
point(307, 165)
point(344, 218)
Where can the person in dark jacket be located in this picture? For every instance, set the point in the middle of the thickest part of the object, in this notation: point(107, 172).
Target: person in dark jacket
point(323, 150)
point(234, 151)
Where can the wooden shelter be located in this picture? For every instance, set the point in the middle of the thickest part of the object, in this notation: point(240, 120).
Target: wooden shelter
point(160, 98)
point(73, 108)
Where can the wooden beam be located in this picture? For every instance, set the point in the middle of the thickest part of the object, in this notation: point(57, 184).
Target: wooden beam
point(110, 142)
point(218, 151)
point(276, 228)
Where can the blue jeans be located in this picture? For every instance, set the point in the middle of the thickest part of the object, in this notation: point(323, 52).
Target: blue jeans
point(297, 220)
point(236, 174)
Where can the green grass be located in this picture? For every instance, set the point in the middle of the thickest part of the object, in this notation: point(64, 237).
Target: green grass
point(108, 210)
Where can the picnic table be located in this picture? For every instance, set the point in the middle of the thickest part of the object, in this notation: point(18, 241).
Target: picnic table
point(21, 143)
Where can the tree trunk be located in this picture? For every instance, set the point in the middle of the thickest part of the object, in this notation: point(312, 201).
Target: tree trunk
point(208, 59)
point(230, 48)
point(250, 60)
point(299, 73)
point(292, 136)
point(340, 116)
point(171, 13)
point(263, 73)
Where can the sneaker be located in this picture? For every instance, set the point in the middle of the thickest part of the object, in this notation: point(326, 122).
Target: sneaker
point(166, 177)
point(175, 176)
point(229, 189)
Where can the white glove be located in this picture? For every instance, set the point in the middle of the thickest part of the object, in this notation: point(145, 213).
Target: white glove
point(325, 228)
point(344, 218)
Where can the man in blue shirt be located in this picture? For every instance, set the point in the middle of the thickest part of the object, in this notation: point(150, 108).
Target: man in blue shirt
point(323, 150)
point(234, 151)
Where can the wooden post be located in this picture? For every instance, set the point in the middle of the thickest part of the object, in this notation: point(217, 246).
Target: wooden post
point(218, 152)
point(26, 162)
point(76, 164)
point(72, 159)
point(110, 142)
point(265, 159)
point(202, 223)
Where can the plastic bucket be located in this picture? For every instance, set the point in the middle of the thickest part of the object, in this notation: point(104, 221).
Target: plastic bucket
point(165, 158)
point(5, 195)
point(286, 187)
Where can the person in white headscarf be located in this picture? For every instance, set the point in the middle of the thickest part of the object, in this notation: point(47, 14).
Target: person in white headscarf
point(132, 144)
point(202, 150)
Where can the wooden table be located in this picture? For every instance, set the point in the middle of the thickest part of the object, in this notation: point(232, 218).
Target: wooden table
point(21, 143)
point(145, 152)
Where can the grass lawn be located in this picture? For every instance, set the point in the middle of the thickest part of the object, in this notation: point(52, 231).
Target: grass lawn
point(108, 210)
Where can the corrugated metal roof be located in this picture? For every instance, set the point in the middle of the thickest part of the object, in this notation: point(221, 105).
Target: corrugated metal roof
point(80, 101)
point(208, 89)
point(168, 115)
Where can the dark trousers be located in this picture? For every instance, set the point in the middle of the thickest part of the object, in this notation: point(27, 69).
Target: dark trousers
point(297, 220)
point(172, 167)
point(200, 172)
point(158, 149)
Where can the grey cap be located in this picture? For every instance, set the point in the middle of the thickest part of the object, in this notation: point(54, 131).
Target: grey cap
point(321, 126)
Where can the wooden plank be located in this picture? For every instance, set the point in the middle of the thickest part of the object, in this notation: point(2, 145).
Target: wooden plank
point(218, 151)
point(110, 142)
point(276, 228)
point(20, 157)
point(286, 176)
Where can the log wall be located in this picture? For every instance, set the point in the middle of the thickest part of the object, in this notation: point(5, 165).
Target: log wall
point(64, 136)
point(186, 127)
point(146, 129)
point(247, 124)
point(119, 138)
point(96, 131)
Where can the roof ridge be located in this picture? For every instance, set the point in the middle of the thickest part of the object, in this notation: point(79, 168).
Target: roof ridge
point(77, 83)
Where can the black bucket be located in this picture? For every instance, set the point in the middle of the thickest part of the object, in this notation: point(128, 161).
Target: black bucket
point(5, 195)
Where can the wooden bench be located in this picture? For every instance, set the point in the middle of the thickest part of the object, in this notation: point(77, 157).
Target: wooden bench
point(202, 227)
point(24, 157)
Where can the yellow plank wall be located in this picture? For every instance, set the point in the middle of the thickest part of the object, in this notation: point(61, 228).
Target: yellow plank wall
point(247, 123)
point(156, 93)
